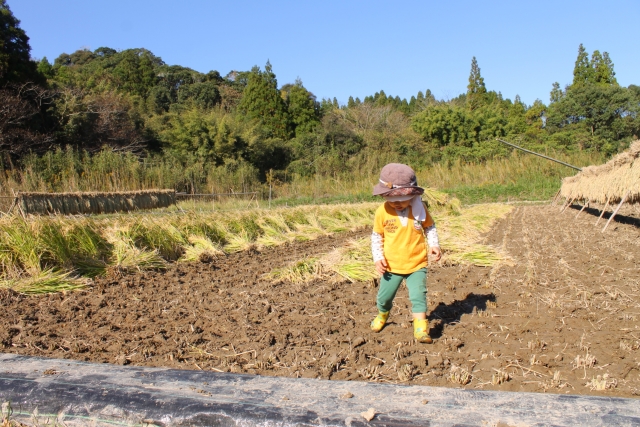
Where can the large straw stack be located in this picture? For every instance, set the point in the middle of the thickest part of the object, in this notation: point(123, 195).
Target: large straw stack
point(609, 182)
point(94, 203)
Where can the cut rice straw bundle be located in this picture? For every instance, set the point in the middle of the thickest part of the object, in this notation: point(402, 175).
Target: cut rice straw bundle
point(200, 249)
point(608, 182)
point(302, 271)
point(352, 262)
point(125, 256)
point(437, 200)
point(459, 235)
point(334, 225)
point(476, 254)
point(44, 282)
point(239, 242)
point(311, 229)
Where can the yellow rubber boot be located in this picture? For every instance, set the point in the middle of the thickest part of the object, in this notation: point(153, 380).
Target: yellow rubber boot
point(378, 323)
point(421, 331)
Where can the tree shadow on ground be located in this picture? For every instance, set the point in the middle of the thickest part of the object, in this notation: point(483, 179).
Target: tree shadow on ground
point(620, 219)
point(451, 313)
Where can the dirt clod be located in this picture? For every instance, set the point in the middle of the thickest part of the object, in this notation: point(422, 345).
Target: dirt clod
point(369, 414)
point(357, 342)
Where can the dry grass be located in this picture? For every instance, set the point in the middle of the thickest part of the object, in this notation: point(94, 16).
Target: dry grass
point(602, 382)
point(460, 375)
point(500, 377)
point(7, 419)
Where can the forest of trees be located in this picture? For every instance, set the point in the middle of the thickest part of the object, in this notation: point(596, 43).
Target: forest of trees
point(131, 101)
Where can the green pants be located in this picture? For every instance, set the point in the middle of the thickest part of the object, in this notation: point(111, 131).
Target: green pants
point(416, 283)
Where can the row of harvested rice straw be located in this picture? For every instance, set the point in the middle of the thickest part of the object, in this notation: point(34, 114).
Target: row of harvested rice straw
point(608, 182)
point(94, 202)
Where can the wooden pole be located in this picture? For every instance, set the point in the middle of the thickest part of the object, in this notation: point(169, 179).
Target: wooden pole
point(606, 205)
point(617, 209)
point(17, 196)
point(270, 181)
point(567, 205)
point(15, 202)
point(583, 206)
point(561, 207)
point(253, 197)
point(555, 198)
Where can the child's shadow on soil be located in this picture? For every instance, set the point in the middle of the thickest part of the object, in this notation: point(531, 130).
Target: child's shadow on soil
point(451, 313)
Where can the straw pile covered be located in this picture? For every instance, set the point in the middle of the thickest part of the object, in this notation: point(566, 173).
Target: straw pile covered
point(94, 202)
point(607, 182)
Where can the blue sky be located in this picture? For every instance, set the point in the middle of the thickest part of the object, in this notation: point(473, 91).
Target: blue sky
point(341, 47)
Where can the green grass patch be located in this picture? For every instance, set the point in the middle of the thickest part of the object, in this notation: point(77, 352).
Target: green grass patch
point(491, 193)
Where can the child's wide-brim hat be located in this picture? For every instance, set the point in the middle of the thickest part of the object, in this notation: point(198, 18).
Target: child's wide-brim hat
point(397, 179)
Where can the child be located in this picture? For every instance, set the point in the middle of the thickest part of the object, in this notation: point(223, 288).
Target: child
point(399, 248)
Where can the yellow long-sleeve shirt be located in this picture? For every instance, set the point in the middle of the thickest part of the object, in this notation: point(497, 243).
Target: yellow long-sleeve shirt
point(404, 247)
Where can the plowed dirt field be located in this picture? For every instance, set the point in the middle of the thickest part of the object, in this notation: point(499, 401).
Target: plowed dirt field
point(562, 317)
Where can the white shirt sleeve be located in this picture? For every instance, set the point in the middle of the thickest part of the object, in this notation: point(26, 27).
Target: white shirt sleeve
point(377, 247)
point(432, 236)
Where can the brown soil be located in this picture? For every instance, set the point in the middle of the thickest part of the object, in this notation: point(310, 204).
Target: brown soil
point(565, 313)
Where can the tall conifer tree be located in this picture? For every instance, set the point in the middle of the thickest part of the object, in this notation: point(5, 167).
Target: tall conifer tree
point(261, 101)
point(609, 64)
point(476, 89)
point(302, 108)
point(602, 69)
point(582, 71)
point(556, 93)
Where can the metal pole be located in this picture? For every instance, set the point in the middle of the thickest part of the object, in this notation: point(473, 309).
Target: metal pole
point(538, 154)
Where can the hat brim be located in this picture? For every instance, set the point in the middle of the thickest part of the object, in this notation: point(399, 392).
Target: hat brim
point(400, 198)
point(379, 189)
point(382, 190)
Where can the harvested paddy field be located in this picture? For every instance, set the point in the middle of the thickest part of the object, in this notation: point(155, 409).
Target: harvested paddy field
point(562, 315)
